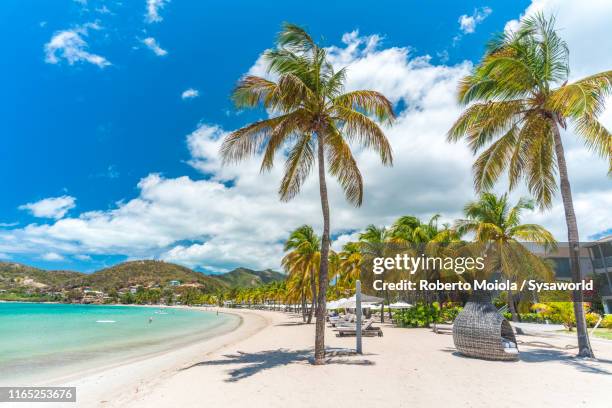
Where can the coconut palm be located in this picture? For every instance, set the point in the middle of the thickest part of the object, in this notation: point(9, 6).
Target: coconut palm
point(315, 119)
point(414, 236)
point(374, 243)
point(351, 260)
point(493, 221)
point(303, 260)
point(519, 98)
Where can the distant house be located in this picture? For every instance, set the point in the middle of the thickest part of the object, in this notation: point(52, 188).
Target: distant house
point(191, 285)
point(175, 283)
point(134, 289)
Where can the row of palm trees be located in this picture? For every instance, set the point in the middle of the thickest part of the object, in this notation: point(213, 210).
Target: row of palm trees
point(517, 100)
point(491, 220)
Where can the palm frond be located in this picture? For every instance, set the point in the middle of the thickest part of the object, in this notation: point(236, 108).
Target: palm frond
point(365, 131)
point(369, 102)
point(343, 166)
point(297, 167)
point(585, 97)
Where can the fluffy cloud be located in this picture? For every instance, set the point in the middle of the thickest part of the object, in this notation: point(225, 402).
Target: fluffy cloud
point(71, 46)
point(232, 216)
point(153, 9)
point(54, 207)
point(467, 24)
point(52, 256)
point(152, 44)
point(190, 93)
point(579, 24)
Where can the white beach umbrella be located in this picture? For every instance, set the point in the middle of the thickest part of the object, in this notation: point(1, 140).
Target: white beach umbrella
point(400, 305)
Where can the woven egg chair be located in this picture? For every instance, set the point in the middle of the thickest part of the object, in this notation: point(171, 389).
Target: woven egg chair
point(480, 331)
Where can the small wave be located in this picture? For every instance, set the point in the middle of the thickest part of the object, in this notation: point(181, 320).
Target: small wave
point(105, 321)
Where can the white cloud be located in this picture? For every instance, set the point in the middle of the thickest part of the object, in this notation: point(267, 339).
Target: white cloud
point(54, 207)
point(153, 8)
point(190, 93)
point(71, 46)
point(52, 256)
point(152, 44)
point(467, 24)
point(4, 256)
point(232, 216)
point(83, 257)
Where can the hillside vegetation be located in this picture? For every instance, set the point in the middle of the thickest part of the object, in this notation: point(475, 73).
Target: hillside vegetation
point(133, 273)
point(248, 278)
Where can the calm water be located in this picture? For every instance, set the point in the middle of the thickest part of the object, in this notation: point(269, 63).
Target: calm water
point(41, 340)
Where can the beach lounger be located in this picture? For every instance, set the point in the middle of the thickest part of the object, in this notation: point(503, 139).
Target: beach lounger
point(367, 330)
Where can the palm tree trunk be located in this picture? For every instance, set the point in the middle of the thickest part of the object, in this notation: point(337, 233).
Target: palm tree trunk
point(584, 344)
point(511, 306)
point(319, 357)
point(303, 306)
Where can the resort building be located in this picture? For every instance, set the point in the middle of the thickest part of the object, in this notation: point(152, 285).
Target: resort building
point(600, 253)
point(175, 283)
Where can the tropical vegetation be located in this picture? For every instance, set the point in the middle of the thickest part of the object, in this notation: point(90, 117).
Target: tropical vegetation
point(518, 100)
point(315, 119)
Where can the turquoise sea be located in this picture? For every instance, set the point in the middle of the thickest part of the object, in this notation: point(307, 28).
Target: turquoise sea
point(40, 340)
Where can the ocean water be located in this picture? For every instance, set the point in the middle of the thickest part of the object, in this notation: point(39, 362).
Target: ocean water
point(40, 341)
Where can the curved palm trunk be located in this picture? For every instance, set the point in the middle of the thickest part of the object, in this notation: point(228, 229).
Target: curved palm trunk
point(319, 357)
point(584, 344)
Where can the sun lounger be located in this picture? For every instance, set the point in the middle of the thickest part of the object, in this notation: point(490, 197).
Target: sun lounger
point(441, 328)
point(367, 330)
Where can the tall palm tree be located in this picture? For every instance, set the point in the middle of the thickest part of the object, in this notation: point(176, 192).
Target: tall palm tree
point(493, 221)
point(316, 120)
point(303, 260)
point(519, 99)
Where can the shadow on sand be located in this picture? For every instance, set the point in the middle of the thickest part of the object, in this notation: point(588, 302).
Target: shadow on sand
point(539, 355)
point(253, 363)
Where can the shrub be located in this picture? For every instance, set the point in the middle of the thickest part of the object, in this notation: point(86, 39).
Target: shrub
point(422, 314)
point(607, 322)
point(592, 319)
point(448, 313)
point(419, 315)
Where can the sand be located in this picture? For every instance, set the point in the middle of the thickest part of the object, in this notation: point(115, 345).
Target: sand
point(265, 363)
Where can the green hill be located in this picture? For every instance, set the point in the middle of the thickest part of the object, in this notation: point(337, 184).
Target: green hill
point(243, 277)
point(17, 275)
point(148, 273)
point(123, 275)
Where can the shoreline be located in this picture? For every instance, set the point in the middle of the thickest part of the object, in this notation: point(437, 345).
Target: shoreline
point(270, 352)
point(194, 338)
point(120, 382)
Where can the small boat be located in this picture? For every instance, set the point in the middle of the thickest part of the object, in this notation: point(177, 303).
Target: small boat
point(105, 321)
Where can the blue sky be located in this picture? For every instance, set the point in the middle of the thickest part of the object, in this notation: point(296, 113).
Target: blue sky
point(90, 123)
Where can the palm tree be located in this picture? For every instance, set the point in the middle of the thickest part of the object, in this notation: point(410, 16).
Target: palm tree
point(373, 243)
point(411, 234)
point(351, 260)
point(303, 260)
point(519, 99)
point(493, 221)
point(316, 120)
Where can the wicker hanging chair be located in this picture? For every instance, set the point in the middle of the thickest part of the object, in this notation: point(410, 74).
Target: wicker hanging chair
point(480, 331)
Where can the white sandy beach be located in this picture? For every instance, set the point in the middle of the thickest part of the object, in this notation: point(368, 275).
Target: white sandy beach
point(264, 363)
